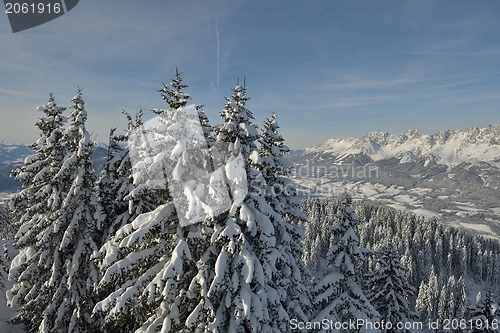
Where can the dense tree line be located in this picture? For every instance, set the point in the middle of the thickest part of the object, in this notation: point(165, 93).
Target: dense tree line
point(443, 264)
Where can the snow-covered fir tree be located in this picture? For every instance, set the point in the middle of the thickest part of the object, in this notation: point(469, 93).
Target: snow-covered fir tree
point(446, 305)
point(338, 296)
point(389, 290)
point(4, 265)
point(53, 272)
point(6, 253)
point(281, 194)
point(111, 186)
point(243, 294)
point(428, 298)
point(6, 231)
point(48, 157)
point(484, 316)
point(173, 93)
point(119, 201)
point(72, 234)
point(208, 129)
point(156, 265)
point(462, 302)
point(35, 210)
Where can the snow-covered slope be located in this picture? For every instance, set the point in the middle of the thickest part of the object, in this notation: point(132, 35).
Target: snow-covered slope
point(448, 147)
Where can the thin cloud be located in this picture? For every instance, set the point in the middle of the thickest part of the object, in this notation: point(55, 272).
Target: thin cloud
point(461, 83)
point(358, 83)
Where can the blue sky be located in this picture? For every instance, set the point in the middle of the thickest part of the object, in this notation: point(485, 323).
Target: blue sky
point(327, 68)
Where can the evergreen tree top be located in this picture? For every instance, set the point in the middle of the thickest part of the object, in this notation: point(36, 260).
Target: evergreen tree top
point(235, 110)
point(52, 119)
point(79, 114)
point(347, 217)
point(50, 125)
point(272, 138)
point(173, 93)
point(238, 129)
point(273, 151)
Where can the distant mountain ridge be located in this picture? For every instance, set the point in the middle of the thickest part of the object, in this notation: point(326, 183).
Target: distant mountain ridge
point(13, 153)
point(451, 174)
point(12, 156)
point(445, 147)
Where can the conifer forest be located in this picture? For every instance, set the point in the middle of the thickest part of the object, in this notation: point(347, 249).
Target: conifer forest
point(205, 231)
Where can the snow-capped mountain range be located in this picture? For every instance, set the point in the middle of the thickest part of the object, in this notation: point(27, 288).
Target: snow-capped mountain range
point(449, 148)
point(454, 175)
point(13, 153)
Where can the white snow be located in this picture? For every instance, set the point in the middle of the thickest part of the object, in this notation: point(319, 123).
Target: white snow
point(420, 190)
point(425, 212)
point(405, 198)
point(479, 227)
point(398, 207)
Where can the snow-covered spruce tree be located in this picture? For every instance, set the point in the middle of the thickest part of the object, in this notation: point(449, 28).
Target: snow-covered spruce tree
point(34, 210)
point(338, 296)
point(428, 298)
point(6, 231)
point(281, 194)
point(119, 201)
point(242, 295)
point(483, 317)
point(110, 202)
point(158, 268)
point(6, 253)
point(174, 93)
point(48, 157)
point(141, 199)
point(389, 290)
point(446, 306)
point(3, 265)
point(71, 235)
point(462, 302)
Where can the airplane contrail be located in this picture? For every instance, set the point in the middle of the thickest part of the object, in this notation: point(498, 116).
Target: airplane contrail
point(218, 52)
